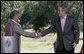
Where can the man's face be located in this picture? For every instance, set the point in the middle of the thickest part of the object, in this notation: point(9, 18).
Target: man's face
point(61, 12)
point(17, 16)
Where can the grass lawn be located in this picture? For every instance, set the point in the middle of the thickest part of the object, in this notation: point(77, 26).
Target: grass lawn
point(43, 45)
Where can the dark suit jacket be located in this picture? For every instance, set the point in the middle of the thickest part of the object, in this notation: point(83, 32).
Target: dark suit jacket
point(68, 36)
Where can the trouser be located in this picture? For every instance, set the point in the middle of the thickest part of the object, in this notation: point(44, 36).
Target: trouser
point(63, 50)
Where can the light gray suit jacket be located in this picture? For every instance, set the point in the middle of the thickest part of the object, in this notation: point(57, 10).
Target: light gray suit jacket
point(14, 29)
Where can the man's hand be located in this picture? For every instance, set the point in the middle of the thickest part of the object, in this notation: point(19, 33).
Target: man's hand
point(74, 45)
point(38, 35)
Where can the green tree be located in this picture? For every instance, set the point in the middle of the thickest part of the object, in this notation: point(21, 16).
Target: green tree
point(40, 13)
point(6, 8)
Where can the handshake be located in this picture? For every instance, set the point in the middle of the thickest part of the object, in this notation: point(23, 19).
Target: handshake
point(38, 35)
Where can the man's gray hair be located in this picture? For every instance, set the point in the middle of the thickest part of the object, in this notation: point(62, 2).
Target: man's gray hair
point(64, 8)
point(14, 13)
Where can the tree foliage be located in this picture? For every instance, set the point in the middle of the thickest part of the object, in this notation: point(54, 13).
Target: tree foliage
point(40, 13)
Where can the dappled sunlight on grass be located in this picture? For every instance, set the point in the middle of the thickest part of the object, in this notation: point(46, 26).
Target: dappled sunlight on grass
point(43, 45)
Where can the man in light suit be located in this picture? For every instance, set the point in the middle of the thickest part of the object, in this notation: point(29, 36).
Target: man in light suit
point(12, 28)
point(67, 32)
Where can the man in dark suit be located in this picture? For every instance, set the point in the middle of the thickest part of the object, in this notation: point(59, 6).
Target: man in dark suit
point(67, 31)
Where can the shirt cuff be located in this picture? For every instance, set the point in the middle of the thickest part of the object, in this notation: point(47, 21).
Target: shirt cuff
point(35, 34)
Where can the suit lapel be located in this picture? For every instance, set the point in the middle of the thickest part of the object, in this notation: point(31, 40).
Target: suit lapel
point(59, 23)
point(66, 23)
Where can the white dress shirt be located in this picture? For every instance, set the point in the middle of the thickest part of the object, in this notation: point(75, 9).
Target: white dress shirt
point(63, 22)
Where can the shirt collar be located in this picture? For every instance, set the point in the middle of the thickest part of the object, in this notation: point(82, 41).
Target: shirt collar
point(64, 17)
point(14, 21)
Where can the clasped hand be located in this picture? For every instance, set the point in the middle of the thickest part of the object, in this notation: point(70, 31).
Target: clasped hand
point(38, 35)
